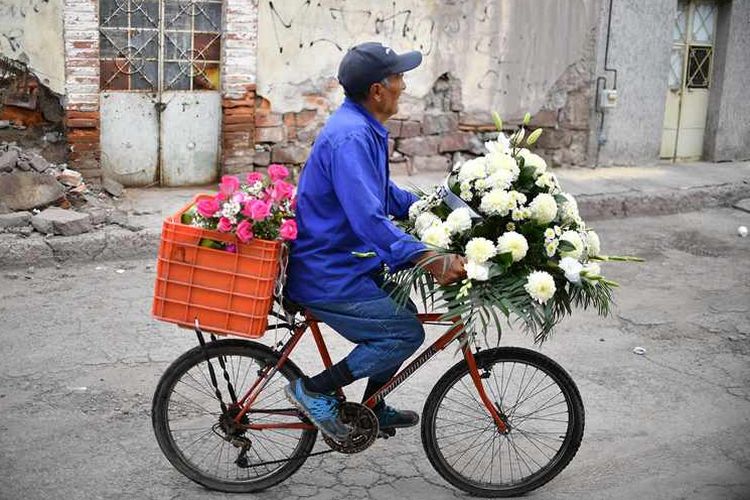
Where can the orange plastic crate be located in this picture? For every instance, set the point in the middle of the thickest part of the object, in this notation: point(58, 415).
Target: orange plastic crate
point(229, 293)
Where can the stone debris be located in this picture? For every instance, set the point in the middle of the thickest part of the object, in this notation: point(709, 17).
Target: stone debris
point(36, 194)
point(56, 220)
point(639, 350)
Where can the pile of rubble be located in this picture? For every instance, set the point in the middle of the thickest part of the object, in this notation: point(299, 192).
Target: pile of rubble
point(36, 195)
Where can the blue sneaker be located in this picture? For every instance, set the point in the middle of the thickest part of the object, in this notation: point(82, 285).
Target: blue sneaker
point(391, 418)
point(321, 409)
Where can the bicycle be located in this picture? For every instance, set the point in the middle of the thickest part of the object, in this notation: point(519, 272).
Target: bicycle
point(501, 422)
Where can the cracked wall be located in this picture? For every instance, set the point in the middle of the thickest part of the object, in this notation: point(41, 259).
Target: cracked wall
point(31, 31)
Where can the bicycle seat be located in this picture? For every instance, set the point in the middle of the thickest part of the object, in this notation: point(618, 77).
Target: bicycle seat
point(293, 308)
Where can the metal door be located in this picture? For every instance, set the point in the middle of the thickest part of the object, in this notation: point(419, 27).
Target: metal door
point(160, 102)
point(689, 80)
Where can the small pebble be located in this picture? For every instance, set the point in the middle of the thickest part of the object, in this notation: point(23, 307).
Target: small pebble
point(120, 271)
point(742, 231)
point(639, 350)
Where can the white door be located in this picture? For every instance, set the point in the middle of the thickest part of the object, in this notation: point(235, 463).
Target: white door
point(689, 80)
point(160, 104)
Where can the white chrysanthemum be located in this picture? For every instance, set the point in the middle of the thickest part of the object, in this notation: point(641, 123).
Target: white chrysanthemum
point(425, 221)
point(575, 239)
point(416, 208)
point(541, 286)
point(569, 209)
point(466, 195)
point(513, 242)
point(497, 202)
point(519, 214)
point(510, 226)
point(572, 269)
point(543, 208)
point(519, 197)
point(594, 245)
point(480, 184)
point(458, 221)
point(437, 236)
point(551, 247)
point(533, 160)
point(549, 233)
point(480, 250)
point(475, 168)
point(502, 161)
point(477, 271)
point(549, 182)
point(501, 179)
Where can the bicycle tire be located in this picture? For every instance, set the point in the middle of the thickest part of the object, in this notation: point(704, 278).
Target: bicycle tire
point(486, 362)
point(177, 453)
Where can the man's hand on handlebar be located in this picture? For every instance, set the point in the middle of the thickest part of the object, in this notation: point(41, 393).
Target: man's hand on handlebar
point(446, 269)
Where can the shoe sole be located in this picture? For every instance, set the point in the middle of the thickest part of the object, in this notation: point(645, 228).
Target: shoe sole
point(293, 400)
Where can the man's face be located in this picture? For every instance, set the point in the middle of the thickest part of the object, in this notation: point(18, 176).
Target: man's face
point(388, 94)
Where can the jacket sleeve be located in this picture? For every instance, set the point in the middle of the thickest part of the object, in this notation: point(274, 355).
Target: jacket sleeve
point(360, 191)
point(399, 201)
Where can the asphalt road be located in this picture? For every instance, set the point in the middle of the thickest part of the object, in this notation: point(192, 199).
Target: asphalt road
point(80, 359)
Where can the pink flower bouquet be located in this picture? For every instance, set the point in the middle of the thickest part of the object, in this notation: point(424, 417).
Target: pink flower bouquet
point(261, 207)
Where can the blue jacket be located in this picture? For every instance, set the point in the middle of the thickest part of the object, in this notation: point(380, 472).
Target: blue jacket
point(344, 198)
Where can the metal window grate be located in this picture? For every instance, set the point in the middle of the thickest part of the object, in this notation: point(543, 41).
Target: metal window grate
point(152, 45)
point(699, 67)
point(703, 23)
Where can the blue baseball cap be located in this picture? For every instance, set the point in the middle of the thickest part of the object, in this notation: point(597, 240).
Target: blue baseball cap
point(371, 62)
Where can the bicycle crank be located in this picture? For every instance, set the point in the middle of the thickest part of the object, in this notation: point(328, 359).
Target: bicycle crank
point(365, 428)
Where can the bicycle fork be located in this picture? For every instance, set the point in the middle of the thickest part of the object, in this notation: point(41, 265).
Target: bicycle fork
point(471, 361)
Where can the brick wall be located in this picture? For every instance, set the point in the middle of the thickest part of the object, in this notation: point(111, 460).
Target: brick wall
point(81, 36)
point(238, 84)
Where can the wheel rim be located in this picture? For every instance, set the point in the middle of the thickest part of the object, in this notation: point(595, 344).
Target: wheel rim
point(537, 410)
point(193, 422)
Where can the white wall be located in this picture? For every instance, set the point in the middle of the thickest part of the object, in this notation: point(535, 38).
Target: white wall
point(31, 31)
point(508, 53)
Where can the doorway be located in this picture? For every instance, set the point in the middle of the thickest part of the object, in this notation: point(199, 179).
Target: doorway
point(160, 100)
point(691, 66)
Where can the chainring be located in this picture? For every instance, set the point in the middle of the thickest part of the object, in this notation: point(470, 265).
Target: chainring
point(365, 428)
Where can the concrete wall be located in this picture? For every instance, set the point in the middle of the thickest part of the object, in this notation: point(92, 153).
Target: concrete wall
point(639, 48)
point(508, 54)
point(728, 127)
point(31, 31)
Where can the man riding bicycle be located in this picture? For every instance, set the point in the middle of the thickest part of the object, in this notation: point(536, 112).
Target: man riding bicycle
point(345, 238)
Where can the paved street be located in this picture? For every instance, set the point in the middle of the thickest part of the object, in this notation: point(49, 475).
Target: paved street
point(81, 356)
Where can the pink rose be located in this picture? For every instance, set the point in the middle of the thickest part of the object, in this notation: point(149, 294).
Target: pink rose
point(207, 207)
point(244, 231)
point(229, 184)
point(225, 225)
point(239, 197)
point(254, 177)
point(277, 172)
point(288, 230)
point(257, 209)
point(281, 191)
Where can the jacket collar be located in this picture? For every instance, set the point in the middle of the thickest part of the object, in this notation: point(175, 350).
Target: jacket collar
point(376, 125)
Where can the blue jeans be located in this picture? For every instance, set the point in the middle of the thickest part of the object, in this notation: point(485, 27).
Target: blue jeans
point(385, 333)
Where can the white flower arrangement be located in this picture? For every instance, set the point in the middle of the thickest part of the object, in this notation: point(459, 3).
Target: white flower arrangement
point(534, 261)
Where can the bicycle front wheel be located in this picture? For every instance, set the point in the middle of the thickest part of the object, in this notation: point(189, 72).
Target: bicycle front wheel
point(541, 405)
point(200, 440)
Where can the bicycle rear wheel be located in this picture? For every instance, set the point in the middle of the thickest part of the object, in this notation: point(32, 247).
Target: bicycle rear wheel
point(192, 430)
point(541, 404)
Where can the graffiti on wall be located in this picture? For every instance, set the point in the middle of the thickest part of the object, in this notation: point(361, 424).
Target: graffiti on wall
point(489, 44)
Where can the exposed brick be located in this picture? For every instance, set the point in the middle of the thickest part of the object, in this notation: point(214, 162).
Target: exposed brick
point(238, 127)
point(456, 141)
point(81, 123)
point(430, 163)
point(262, 158)
point(289, 119)
point(244, 118)
point(410, 129)
point(306, 117)
point(476, 121)
point(289, 153)
point(267, 119)
point(394, 128)
point(418, 146)
point(439, 123)
point(269, 134)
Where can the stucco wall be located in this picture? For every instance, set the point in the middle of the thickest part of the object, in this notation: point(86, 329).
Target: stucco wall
point(728, 127)
point(639, 48)
point(508, 54)
point(31, 31)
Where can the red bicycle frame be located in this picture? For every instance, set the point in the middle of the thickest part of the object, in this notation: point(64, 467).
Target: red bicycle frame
point(267, 373)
